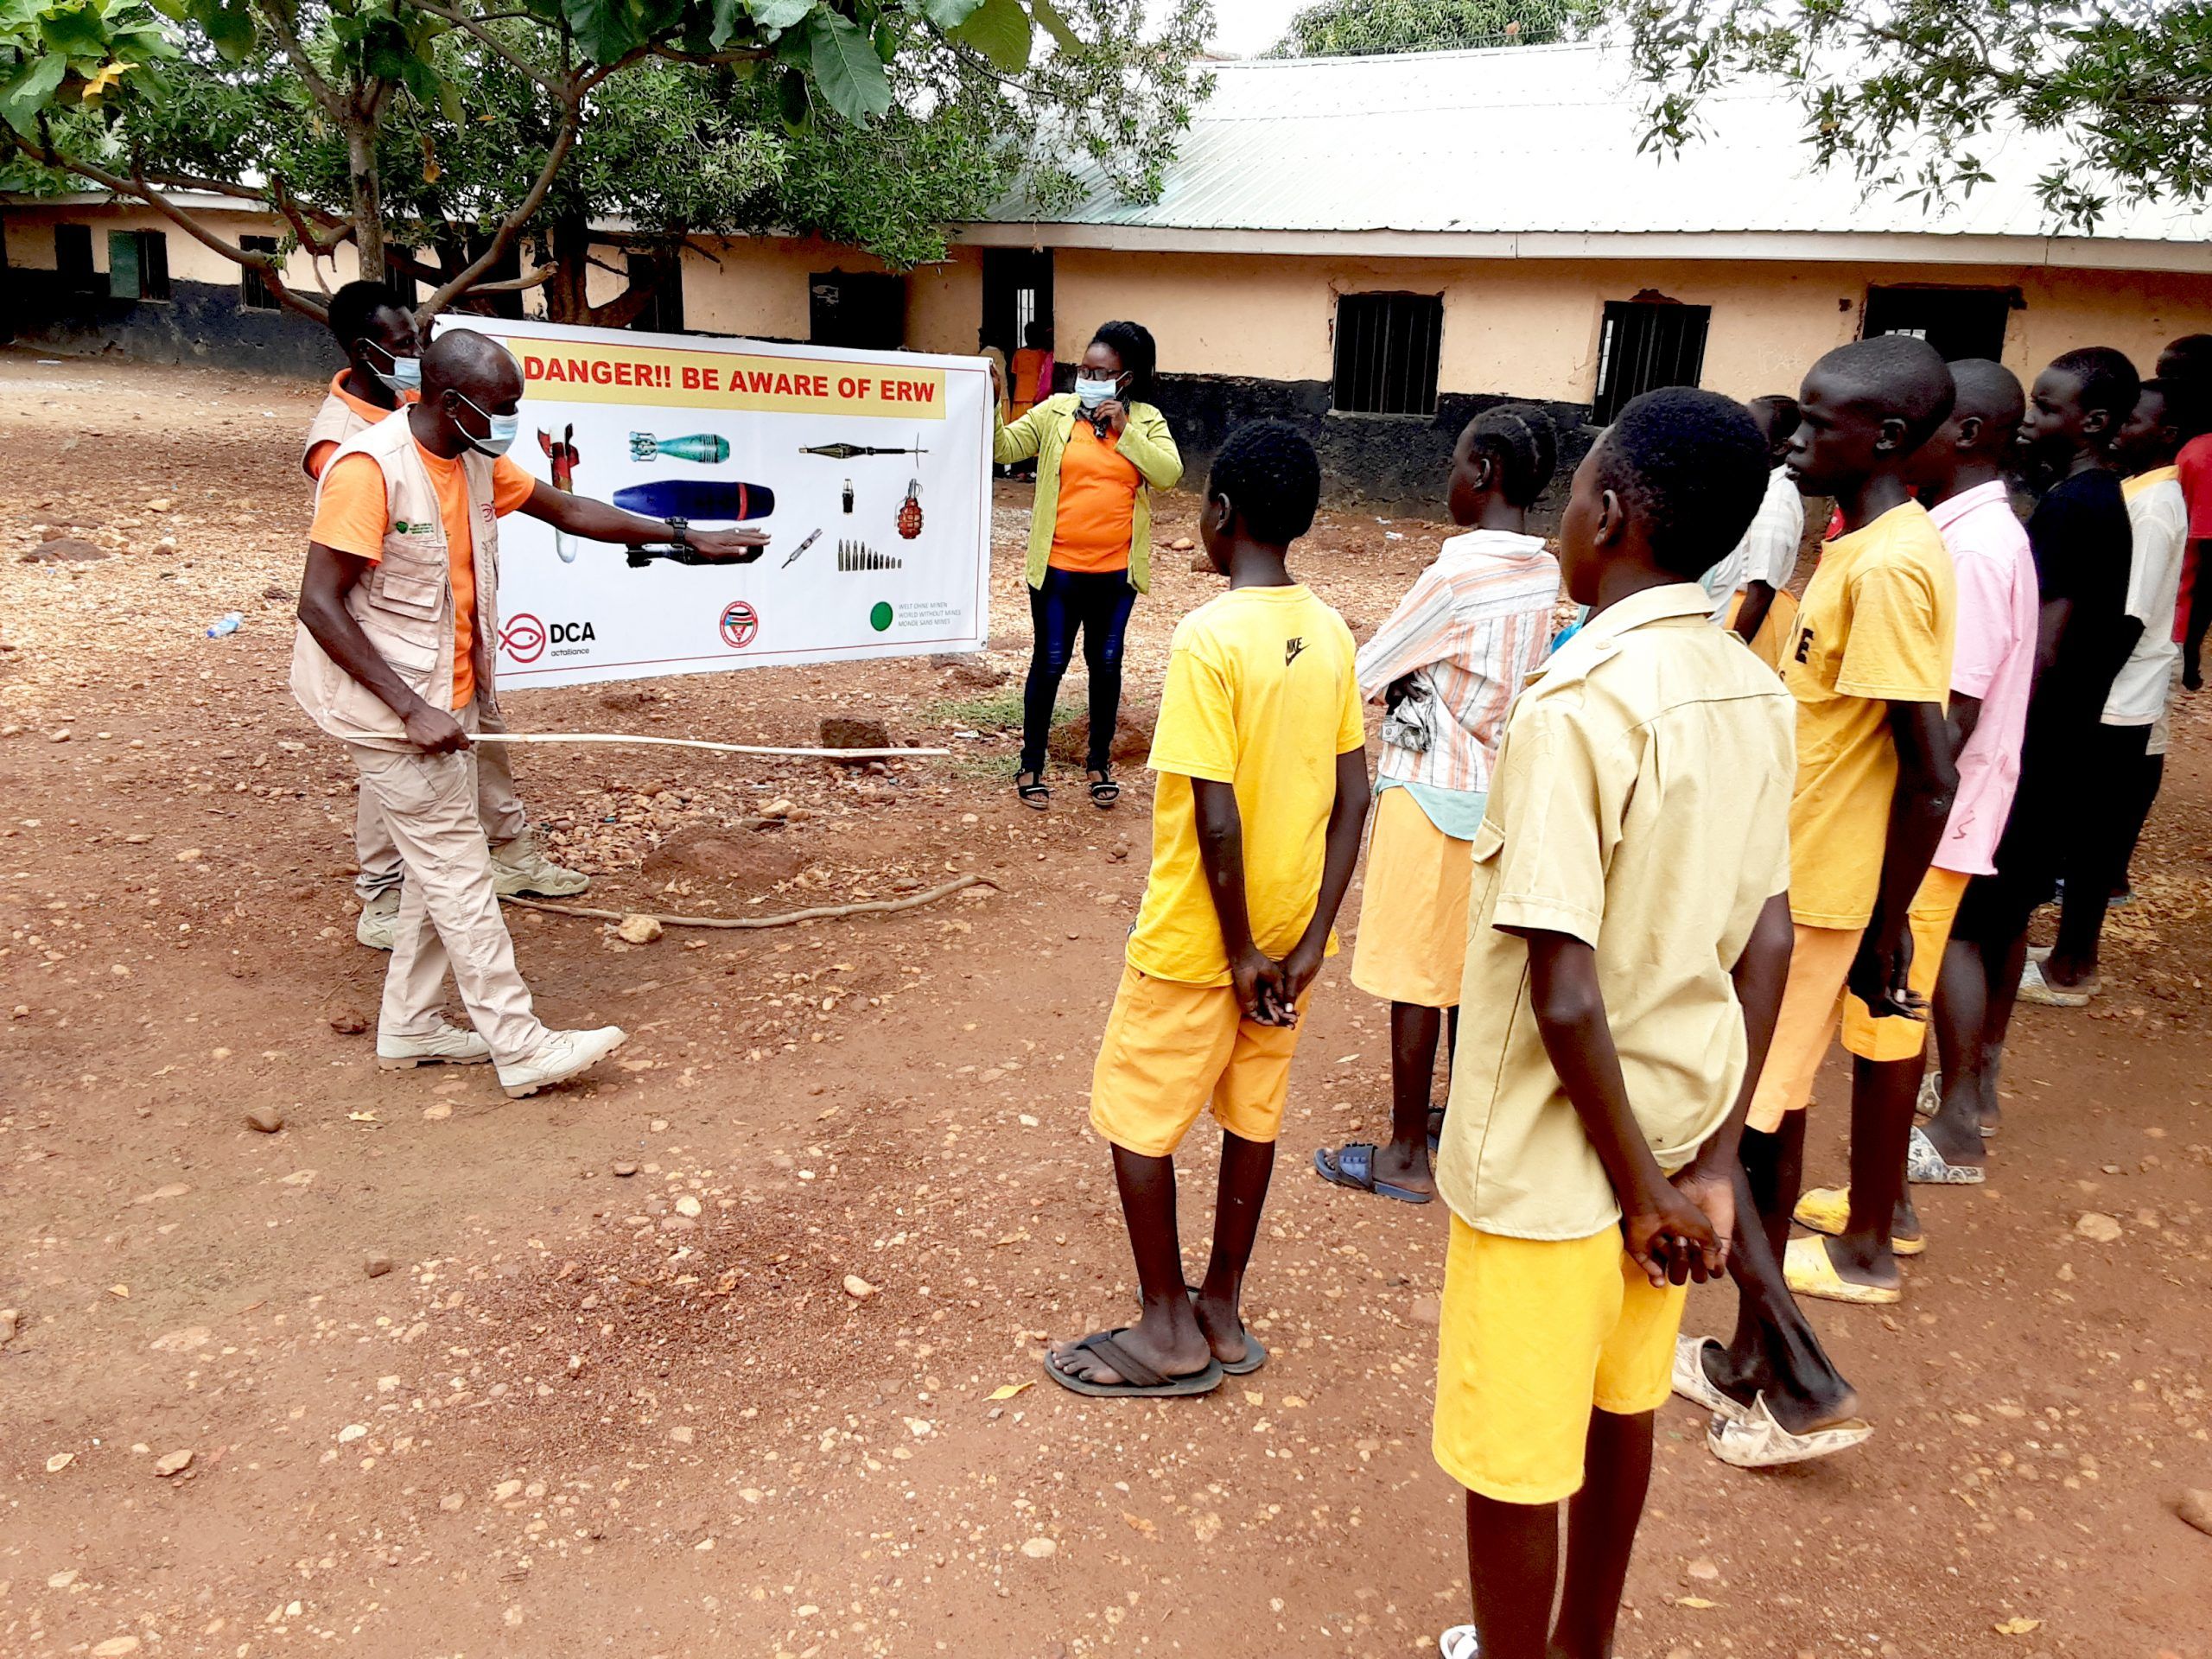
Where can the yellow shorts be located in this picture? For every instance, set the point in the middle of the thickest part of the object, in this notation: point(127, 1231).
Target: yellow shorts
point(1934, 907)
point(1536, 1333)
point(1413, 914)
point(1781, 622)
point(1170, 1048)
point(1812, 1003)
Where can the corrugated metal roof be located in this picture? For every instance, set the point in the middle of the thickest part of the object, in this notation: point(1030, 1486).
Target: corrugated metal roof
point(1537, 140)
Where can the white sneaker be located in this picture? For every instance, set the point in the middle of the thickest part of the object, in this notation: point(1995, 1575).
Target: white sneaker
point(378, 916)
point(566, 1054)
point(448, 1045)
point(1458, 1642)
point(519, 866)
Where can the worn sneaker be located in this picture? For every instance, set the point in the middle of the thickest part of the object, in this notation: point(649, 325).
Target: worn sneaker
point(565, 1054)
point(519, 866)
point(1458, 1642)
point(448, 1045)
point(378, 917)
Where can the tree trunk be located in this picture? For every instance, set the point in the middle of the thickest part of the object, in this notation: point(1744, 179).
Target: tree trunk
point(568, 292)
point(368, 196)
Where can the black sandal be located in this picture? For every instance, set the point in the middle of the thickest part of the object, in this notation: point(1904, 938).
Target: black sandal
point(1033, 794)
point(1104, 792)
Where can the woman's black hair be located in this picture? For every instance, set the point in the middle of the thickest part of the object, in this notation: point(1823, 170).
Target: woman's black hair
point(1523, 443)
point(1132, 343)
point(1272, 478)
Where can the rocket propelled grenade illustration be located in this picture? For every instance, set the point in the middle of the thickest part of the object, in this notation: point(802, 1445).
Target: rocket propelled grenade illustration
point(848, 451)
point(564, 457)
point(709, 446)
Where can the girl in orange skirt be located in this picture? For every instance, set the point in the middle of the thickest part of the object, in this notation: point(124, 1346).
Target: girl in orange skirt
point(1447, 664)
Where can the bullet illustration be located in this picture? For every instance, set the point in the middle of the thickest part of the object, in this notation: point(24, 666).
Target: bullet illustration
point(859, 556)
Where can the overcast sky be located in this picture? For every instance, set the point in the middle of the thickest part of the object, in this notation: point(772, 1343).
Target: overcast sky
point(1248, 26)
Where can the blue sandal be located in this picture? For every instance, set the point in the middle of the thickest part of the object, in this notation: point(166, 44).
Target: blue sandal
point(1352, 1165)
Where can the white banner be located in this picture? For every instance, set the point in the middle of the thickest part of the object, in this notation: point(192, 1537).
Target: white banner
point(870, 471)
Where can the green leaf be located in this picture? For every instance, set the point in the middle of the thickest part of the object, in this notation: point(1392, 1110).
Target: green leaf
point(796, 102)
point(778, 14)
point(26, 91)
point(845, 67)
point(229, 27)
point(604, 29)
point(1048, 16)
point(1000, 29)
point(948, 14)
point(728, 17)
point(886, 40)
point(73, 31)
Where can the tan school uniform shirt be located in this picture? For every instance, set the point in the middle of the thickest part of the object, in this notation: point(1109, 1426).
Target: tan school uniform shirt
point(1641, 803)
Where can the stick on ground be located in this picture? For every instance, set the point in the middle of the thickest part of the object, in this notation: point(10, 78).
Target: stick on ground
point(819, 912)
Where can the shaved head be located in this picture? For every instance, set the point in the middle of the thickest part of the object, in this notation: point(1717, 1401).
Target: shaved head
point(1991, 393)
point(475, 365)
point(1891, 376)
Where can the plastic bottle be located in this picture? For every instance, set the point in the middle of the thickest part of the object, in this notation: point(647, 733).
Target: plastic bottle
point(225, 625)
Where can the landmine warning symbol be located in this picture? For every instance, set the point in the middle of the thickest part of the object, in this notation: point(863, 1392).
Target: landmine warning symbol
point(739, 624)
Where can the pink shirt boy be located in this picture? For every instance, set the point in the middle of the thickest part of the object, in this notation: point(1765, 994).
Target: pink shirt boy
point(1993, 659)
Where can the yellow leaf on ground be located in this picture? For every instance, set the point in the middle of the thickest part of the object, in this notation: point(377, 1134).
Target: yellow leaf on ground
point(1696, 1601)
point(2017, 1625)
point(1010, 1390)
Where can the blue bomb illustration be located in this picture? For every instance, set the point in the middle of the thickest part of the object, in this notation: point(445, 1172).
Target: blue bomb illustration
point(710, 447)
point(698, 501)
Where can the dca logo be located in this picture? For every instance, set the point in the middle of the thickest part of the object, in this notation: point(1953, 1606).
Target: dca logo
point(525, 639)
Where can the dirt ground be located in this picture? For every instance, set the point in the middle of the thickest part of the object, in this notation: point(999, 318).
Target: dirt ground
point(613, 1397)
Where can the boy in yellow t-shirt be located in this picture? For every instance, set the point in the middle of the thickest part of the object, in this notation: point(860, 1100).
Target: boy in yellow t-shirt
point(1870, 666)
point(1261, 751)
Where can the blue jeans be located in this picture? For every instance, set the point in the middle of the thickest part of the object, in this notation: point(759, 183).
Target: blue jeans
point(1098, 603)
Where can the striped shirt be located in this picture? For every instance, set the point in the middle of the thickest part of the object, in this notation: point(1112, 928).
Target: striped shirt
point(1473, 629)
point(1767, 552)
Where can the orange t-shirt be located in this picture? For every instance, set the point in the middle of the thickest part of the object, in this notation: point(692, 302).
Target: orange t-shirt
point(1032, 385)
point(319, 457)
point(353, 515)
point(1098, 497)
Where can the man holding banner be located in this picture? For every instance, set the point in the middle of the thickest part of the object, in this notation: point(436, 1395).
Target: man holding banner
point(394, 657)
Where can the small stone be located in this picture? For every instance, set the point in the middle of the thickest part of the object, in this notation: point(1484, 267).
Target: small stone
point(375, 1264)
point(438, 1110)
point(626, 1170)
point(1037, 1549)
point(348, 1021)
point(351, 1432)
point(182, 1340)
point(115, 1647)
point(1181, 544)
point(688, 1205)
point(190, 855)
point(160, 504)
point(9, 1319)
point(843, 731)
point(506, 1490)
point(175, 1463)
point(2195, 1506)
point(265, 1120)
point(857, 1287)
point(779, 808)
point(2093, 1224)
point(682, 1436)
point(638, 930)
point(1703, 1571)
point(59, 1461)
point(451, 1502)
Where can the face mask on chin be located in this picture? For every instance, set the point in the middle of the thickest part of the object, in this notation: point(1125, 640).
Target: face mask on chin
point(501, 437)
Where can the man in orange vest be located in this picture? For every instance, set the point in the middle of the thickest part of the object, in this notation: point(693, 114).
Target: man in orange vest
point(394, 657)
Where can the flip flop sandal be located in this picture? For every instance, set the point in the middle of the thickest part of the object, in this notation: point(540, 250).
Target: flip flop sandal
point(1104, 792)
point(1828, 1209)
point(1139, 1379)
point(1692, 1382)
point(1256, 1352)
point(1925, 1166)
point(1033, 794)
point(1352, 1165)
point(1755, 1440)
point(1806, 1264)
point(1930, 1101)
point(2035, 988)
point(1458, 1642)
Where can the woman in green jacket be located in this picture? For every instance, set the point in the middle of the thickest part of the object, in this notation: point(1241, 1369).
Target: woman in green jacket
point(1101, 451)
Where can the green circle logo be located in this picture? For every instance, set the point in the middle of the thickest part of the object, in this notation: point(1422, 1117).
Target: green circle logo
point(880, 617)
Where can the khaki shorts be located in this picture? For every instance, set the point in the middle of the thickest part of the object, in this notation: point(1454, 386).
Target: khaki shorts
point(1812, 1004)
point(1413, 913)
point(1934, 909)
point(1171, 1050)
point(1535, 1334)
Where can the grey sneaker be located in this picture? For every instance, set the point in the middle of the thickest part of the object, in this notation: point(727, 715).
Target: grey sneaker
point(378, 916)
point(565, 1054)
point(448, 1045)
point(519, 866)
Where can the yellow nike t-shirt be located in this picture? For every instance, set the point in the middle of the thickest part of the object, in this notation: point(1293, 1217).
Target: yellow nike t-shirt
point(1261, 695)
point(1875, 628)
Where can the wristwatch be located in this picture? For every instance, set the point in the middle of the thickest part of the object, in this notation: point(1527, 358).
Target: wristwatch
point(679, 532)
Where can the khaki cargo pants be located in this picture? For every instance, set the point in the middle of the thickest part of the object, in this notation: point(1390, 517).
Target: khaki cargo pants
point(499, 807)
point(449, 907)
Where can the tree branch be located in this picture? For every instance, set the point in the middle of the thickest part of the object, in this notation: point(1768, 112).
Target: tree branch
point(278, 18)
point(473, 27)
point(520, 215)
point(537, 278)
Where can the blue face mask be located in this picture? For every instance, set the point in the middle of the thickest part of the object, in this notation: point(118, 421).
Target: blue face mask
point(1089, 393)
point(500, 438)
point(405, 374)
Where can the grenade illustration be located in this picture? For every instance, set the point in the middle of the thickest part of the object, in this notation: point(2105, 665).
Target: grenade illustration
point(849, 495)
point(910, 509)
point(707, 447)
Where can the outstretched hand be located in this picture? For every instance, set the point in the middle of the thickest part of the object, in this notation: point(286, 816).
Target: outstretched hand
point(729, 546)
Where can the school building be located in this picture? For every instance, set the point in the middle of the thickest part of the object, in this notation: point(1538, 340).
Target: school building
point(1373, 247)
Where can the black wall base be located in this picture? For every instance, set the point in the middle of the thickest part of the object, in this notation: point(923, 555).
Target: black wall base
point(1397, 462)
point(200, 323)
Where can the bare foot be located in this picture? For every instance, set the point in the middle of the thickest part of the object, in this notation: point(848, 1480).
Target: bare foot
point(1171, 1346)
point(1222, 1323)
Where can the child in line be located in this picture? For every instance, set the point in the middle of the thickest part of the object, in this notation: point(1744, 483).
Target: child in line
point(1630, 932)
point(1959, 476)
point(1870, 667)
point(1449, 661)
point(1750, 588)
point(1260, 750)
